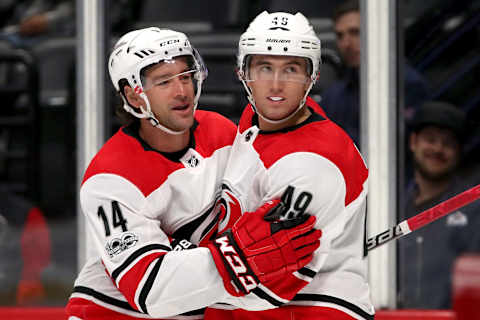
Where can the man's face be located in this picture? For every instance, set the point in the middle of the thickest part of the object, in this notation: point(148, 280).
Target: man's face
point(171, 95)
point(436, 152)
point(347, 29)
point(278, 84)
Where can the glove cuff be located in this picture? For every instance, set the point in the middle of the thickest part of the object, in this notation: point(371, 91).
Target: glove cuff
point(232, 265)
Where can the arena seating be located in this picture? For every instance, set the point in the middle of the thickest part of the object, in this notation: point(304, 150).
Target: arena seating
point(19, 122)
point(466, 287)
point(56, 58)
point(173, 14)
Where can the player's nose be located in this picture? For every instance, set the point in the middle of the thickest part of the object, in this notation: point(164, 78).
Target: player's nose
point(179, 87)
point(276, 83)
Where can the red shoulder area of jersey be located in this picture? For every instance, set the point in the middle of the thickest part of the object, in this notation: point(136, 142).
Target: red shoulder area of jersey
point(213, 132)
point(312, 104)
point(324, 138)
point(123, 155)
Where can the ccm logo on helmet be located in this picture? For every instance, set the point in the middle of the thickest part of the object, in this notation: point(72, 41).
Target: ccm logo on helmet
point(237, 265)
point(164, 43)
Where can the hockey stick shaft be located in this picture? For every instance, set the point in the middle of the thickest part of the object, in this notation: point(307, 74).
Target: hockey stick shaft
point(425, 217)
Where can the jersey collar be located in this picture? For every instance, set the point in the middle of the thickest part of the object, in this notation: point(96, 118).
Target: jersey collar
point(314, 117)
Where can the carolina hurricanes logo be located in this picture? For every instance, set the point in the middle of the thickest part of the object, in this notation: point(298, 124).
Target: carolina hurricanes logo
point(228, 210)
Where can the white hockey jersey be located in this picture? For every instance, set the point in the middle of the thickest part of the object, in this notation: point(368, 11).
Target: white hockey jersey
point(315, 168)
point(136, 200)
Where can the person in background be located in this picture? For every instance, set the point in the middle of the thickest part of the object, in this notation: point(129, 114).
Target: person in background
point(426, 257)
point(26, 23)
point(25, 250)
point(341, 100)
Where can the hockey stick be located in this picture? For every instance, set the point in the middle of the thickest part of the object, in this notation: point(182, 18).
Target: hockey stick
point(425, 217)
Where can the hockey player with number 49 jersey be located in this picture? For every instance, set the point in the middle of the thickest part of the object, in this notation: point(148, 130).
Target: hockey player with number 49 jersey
point(149, 198)
point(287, 148)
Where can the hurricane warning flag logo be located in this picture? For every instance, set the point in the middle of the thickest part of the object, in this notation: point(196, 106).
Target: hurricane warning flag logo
point(228, 209)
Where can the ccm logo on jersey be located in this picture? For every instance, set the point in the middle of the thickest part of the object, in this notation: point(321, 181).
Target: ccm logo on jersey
point(118, 245)
point(236, 264)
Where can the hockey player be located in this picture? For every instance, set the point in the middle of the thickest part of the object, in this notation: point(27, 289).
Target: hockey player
point(150, 192)
point(286, 148)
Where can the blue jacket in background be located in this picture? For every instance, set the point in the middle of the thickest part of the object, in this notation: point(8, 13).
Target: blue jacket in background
point(341, 100)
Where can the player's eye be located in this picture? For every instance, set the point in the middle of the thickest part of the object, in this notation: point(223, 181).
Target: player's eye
point(265, 69)
point(186, 77)
point(162, 82)
point(291, 69)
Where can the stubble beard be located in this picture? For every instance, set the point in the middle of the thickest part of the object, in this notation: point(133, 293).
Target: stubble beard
point(437, 176)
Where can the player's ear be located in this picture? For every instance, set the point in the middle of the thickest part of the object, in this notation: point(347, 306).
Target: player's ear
point(132, 97)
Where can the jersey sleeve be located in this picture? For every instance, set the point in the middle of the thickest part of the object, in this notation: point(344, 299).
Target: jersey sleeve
point(137, 253)
point(310, 183)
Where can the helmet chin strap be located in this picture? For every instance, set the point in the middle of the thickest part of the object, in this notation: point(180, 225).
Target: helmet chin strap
point(153, 120)
point(252, 102)
point(148, 114)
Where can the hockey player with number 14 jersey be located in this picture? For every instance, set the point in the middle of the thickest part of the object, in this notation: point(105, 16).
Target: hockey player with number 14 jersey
point(287, 148)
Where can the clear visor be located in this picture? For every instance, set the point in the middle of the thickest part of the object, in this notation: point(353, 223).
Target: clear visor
point(171, 72)
point(263, 70)
point(167, 82)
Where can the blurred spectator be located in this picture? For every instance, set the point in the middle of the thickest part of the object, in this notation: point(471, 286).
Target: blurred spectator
point(341, 100)
point(25, 23)
point(24, 250)
point(426, 257)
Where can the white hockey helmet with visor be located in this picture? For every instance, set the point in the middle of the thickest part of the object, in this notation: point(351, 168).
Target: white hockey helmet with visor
point(142, 48)
point(281, 34)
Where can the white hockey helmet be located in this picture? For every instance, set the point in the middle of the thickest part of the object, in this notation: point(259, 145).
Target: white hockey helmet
point(142, 48)
point(279, 33)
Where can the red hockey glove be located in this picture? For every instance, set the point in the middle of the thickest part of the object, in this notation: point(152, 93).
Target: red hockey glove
point(257, 251)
